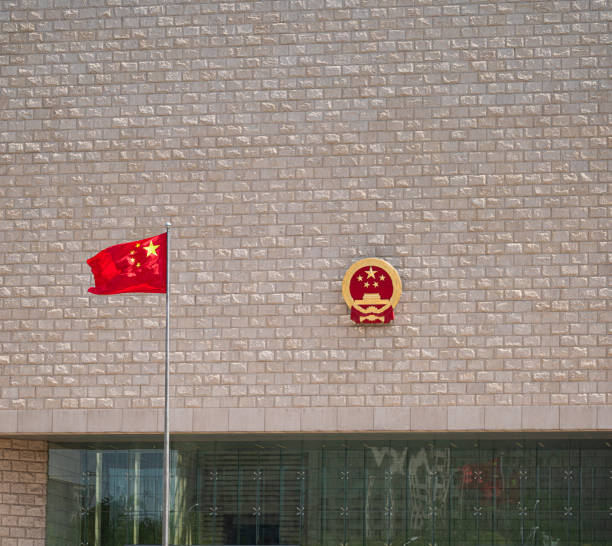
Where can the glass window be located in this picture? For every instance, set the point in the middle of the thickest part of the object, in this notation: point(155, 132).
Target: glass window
point(339, 491)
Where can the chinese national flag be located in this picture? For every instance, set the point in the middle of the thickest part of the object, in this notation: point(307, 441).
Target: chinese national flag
point(139, 266)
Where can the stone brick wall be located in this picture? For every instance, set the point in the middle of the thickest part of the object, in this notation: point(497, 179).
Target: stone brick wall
point(467, 143)
point(23, 482)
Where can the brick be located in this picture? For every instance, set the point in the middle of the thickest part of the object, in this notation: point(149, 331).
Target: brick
point(23, 512)
point(477, 164)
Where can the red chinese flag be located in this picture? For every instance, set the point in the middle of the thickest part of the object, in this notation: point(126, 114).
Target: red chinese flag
point(139, 266)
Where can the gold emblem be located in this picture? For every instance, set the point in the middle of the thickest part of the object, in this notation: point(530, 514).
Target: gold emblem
point(371, 288)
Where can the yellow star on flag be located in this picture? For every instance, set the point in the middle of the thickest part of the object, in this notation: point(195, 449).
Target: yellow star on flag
point(151, 249)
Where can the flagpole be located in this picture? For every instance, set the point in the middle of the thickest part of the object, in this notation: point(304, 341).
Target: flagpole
point(166, 514)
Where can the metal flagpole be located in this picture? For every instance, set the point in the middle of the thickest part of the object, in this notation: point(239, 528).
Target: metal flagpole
point(166, 514)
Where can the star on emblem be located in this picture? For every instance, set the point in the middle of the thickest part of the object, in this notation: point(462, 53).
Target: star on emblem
point(151, 249)
point(371, 273)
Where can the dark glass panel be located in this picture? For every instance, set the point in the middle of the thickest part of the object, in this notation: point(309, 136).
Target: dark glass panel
point(336, 491)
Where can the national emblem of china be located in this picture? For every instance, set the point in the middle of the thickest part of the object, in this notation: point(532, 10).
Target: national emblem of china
point(371, 288)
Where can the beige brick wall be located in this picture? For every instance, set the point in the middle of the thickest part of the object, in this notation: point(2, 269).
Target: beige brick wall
point(23, 484)
point(467, 143)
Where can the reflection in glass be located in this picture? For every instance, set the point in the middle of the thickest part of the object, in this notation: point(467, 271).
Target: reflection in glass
point(335, 491)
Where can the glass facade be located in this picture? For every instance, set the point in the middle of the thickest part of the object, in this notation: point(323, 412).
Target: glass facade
point(340, 491)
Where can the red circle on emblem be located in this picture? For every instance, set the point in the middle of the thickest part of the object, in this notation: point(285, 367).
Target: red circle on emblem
point(371, 280)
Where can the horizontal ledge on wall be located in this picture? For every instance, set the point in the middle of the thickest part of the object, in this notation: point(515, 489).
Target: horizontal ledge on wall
point(309, 420)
